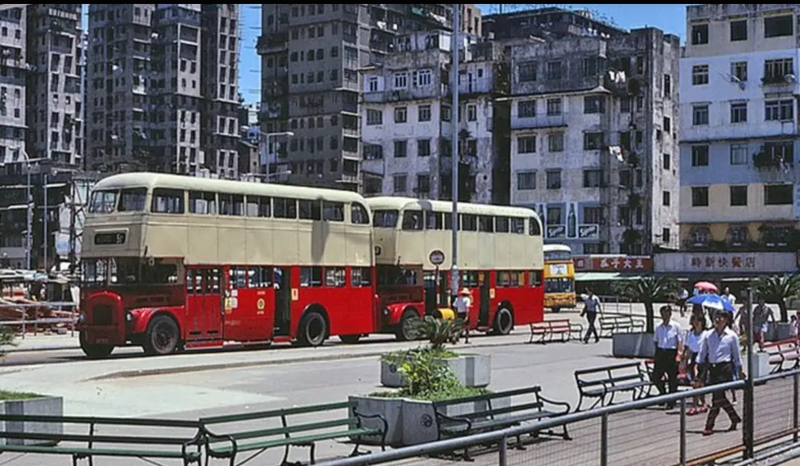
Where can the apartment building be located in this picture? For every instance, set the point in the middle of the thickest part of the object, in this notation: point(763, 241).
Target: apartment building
point(406, 120)
point(739, 128)
point(311, 85)
point(594, 138)
point(163, 81)
point(13, 91)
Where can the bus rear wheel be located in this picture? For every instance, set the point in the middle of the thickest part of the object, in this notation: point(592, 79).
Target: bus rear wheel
point(94, 350)
point(405, 328)
point(503, 322)
point(162, 336)
point(313, 329)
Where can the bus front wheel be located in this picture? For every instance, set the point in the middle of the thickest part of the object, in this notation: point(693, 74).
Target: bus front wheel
point(313, 329)
point(503, 322)
point(162, 336)
point(94, 350)
point(405, 328)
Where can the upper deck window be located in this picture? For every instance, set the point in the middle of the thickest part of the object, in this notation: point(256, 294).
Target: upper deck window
point(259, 206)
point(469, 222)
point(132, 200)
point(518, 225)
point(433, 220)
point(103, 202)
point(534, 229)
point(552, 256)
point(310, 210)
point(167, 201)
point(412, 220)
point(385, 218)
point(359, 214)
point(332, 211)
point(231, 204)
point(501, 224)
point(203, 203)
point(486, 223)
point(284, 208)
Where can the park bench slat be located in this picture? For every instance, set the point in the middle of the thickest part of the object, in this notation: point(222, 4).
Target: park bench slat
point(118, 452)
point(289, 441)
point(616, 378)
point(246, 435)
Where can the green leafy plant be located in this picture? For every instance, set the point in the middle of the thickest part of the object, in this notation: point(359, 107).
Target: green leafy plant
point(6, 339)
point(438, 332)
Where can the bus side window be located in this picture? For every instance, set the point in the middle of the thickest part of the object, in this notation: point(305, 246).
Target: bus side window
point(236, 278)
point(310, 276)
point(284, 208)
point(534, 229)
point(358, 214)
point(335, 276)
point(433, 220)
point(202, 203)
point(310, 210)
point(486, 223)
point(360, 276)
point(412, 220)
point(190, 288)
point(469, 222)
point(517, 279)
point(535, 278)
point(258, 277)
point(167, 201)
point(518, 226)
point(259, 206)
point(503, 279)
point(501, 224)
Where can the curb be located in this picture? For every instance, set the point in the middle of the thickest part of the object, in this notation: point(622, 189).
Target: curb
point(244, 364)
point(44, 348)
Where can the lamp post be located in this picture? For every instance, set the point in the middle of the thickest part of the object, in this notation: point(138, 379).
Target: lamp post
point(267, 153)
point(454, 274)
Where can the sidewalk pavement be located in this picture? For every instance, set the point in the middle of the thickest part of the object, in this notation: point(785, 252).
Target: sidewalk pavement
point(44, 342)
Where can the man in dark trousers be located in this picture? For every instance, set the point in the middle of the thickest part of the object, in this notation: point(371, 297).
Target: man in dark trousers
point(720, 355)
point(590, 309)
point(669, 348)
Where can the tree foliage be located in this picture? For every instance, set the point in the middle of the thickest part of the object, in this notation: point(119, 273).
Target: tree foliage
point(648, 290)
point(777, 289)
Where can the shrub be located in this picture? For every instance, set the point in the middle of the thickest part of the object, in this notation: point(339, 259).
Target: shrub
point(6, 339)
point(438, 332)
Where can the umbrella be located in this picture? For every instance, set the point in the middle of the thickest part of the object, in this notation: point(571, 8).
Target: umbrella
point(706, 286)
point(712, 301)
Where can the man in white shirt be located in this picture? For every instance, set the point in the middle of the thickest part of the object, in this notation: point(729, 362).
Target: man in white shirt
point(669, 348)
point(729, 296)
point(720, 354)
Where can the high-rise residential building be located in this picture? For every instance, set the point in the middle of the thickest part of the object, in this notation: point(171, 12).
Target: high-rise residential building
point(739, 128)
point(13, 90)
point(311, 57)
point(162, 84)
point(594, 128)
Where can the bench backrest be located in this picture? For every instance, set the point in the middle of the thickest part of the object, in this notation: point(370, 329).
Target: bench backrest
point(476, 409)
point(597, 376)
point(783, 346)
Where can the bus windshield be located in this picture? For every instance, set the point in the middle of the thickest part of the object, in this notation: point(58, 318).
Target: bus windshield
point(385, 218)
point(559, 285)
point(128, 271)
point(130, 200)
point(553, 256)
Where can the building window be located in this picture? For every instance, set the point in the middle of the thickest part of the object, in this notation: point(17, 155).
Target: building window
point(665, 198)
point(423, 147)
point(400, 80)
point(594, 104)
point(400, 149)
point(739, 112)
point(665, 236)
point(776, 70)
point(738, 30)
point(526, 180)
point(738, 195)
point(667, 124)
point(779, 110)
point(700, 197)
point(699, 75)
point(554, 70)
point(778, 26)
point(447, 113)
point(399, 184)
point(593, 215)
point(739, 70)
point(424, 113)
point(372, 82)
point(738, 154)
point(400, 115)
point(667, 85)
point(553, 180)
point(553, 107)
point(374, 117)
point(526, 109)
point(700, 156)
point(666, 161)
point(423, 184)
point(555, 142)
point(422, 78)
point(592, 141)
point(778, 194)
point(472, 113)
point(592, 178)
point(699, 34)
point(700, 115)
point(527, 72)
point(737, 235)
point(526, 144)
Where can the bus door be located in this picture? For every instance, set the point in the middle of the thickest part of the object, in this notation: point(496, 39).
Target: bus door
point(484, 300)
point(283, 300)
point(204, 303)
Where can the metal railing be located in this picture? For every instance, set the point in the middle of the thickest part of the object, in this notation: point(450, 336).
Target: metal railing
point(24, 323)
point(633, 433)
point(616, 305)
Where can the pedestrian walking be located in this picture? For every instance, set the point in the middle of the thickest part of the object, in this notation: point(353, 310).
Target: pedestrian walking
point(720, 356)
point(669, 348)
point(762, 315)
point(683, 295)
point(463, 305)
point(591, 306)
point(729, 296)
point(694, 341)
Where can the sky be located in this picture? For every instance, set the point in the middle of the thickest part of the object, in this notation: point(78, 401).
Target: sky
point(670, 18)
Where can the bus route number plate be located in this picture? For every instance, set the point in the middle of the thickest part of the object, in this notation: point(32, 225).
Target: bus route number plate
point(436, 257)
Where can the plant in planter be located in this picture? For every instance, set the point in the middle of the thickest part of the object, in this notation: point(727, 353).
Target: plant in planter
point(6, 339)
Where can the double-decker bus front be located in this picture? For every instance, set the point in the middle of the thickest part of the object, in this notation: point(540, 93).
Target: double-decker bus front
point(500, 261)
point(172, 262)
point(559, 277)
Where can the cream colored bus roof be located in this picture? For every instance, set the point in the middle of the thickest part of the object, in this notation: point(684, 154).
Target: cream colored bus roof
point(401, 203)
point(556, 247)
point(190, 183)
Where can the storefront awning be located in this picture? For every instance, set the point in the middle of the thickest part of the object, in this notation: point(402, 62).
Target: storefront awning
point(604, 276)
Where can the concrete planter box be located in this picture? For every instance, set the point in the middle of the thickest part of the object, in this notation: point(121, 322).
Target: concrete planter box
point(411, 422)
point(760, 364)
point(633, 345)
point(472, 370)
point(778, 331)
point(44, 406)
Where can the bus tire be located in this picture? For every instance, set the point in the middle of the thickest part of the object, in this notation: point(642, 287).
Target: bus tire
point(350, 339)
point(94, 350)
point(161, 337)
point(503, 321)
point(405, 328)
point(313, 329)
point(555, 310)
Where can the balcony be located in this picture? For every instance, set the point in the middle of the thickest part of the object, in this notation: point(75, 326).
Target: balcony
point(540, 122)
point(787, 84)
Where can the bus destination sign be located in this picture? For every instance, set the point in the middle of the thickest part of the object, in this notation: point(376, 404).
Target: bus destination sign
point(436, 257)
point(107, 239)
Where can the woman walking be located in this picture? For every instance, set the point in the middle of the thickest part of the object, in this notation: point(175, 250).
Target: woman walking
point(694, 340)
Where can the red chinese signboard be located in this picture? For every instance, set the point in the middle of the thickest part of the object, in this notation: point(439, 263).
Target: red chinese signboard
point(614, 263)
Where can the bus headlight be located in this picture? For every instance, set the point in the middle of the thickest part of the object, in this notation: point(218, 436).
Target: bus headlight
point(128, 317)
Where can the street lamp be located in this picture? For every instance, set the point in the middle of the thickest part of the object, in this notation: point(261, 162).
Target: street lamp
point(455, 281)
point(268, 154)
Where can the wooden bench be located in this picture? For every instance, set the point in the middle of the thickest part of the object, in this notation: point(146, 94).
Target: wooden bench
point(491, 411)
point(611, 324)
point(605, 382)
point(783, 355)
point(47, 437)
point(548, 329)
point(276, 429)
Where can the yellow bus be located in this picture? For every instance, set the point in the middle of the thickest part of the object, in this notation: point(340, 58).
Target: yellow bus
point(499, 258)
point(559, 277)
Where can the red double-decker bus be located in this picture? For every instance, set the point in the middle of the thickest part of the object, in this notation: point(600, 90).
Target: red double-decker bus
point(500, 260)
point(172, 261)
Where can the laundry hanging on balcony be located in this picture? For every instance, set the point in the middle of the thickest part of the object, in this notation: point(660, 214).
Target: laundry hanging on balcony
point(616, 151)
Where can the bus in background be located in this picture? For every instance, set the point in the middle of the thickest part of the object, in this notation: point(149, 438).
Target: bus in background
point(174, 261)
point(500, 261)
point(559, 277)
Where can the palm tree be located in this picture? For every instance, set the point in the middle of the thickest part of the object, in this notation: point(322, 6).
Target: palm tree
point(777, 289)
point(647, 290)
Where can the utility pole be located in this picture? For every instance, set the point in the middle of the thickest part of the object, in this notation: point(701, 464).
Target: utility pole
point(45, 219)
point(72, 224)
point(455, 279)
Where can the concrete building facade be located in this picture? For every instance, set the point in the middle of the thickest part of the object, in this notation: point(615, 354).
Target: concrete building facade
point(13, 90)
point(738, 117)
